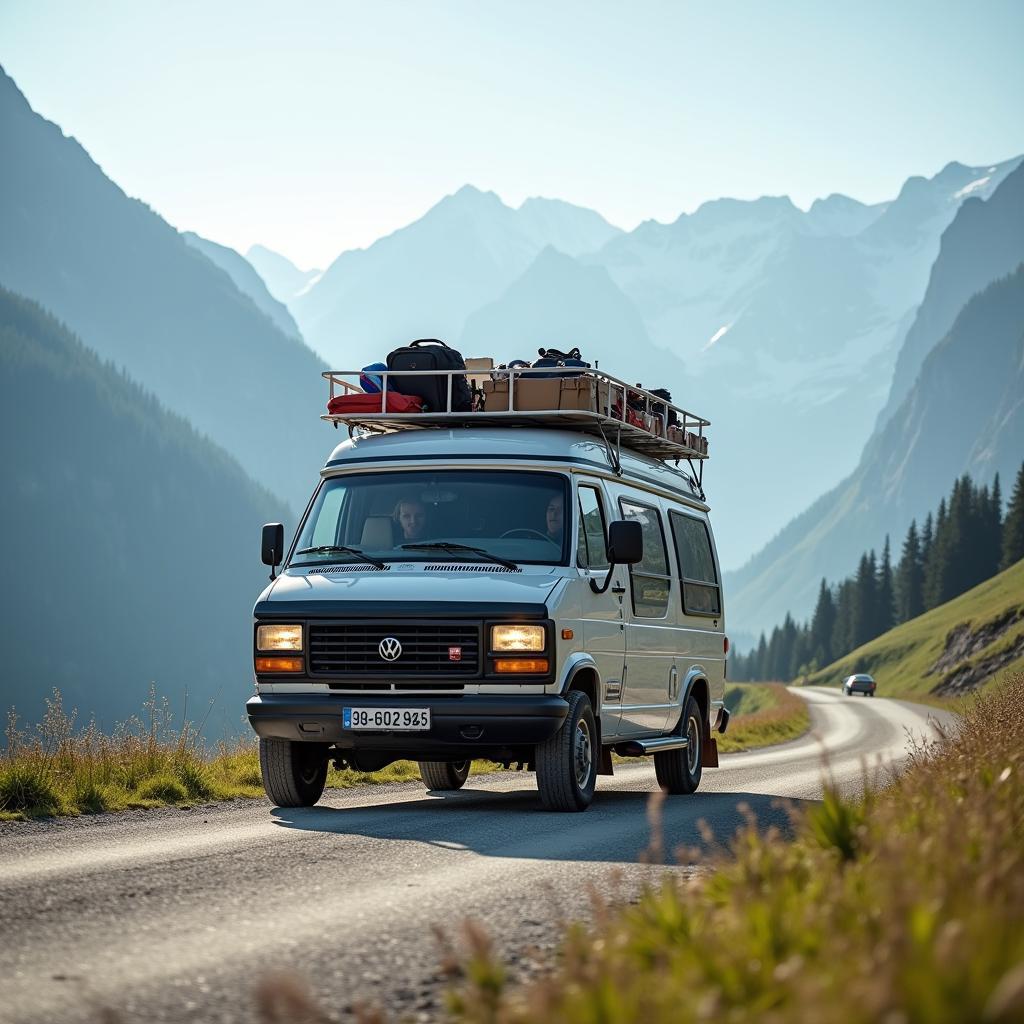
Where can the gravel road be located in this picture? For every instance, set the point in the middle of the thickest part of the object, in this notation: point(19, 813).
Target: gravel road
point(176, 915)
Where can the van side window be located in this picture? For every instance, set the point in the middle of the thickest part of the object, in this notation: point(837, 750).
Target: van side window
point(701, 592)
point(592, 548)
point(650, 579)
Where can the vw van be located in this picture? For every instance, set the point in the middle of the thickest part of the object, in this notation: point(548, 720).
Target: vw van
point(520, 587)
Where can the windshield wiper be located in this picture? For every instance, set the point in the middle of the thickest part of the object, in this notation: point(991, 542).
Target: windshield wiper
point(341, 549)
point(457, 549)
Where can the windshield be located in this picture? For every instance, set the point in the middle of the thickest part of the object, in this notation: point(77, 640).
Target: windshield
point(518, 516)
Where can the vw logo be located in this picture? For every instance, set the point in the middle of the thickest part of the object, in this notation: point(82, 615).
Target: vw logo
point(390, 649)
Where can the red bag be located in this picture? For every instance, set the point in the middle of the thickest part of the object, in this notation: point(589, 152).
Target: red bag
point(346, 405)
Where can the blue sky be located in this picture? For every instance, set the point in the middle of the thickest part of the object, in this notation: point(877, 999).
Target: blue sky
point(317, 127)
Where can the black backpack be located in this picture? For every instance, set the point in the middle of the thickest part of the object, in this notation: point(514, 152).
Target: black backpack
point(559, 362)
point(430, 354)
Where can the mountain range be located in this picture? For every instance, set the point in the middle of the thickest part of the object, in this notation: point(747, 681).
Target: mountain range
point(283, 279)
point(134, 555)
point(963, 412)
point(773, 322)
point(139, 294)
point(424, 280)
point(800, 334)
point(247, 280)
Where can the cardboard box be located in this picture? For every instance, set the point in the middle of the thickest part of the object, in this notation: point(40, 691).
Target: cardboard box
point(478, 370)
point(495, 395)
point(545, 394)
point(583, 393)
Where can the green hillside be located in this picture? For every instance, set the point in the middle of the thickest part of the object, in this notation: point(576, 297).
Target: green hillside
point(133, 554)
point(949, 651)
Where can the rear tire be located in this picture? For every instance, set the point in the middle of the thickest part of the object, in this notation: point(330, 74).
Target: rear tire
point(567, 762)
point(294, 774)
point(441, 775)
point(679, 771)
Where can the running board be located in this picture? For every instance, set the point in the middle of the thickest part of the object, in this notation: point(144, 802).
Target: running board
point(637, 748)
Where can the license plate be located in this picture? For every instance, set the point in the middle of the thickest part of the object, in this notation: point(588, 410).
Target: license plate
point(390, 719)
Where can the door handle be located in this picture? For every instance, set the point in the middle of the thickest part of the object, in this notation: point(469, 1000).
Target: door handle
point(673, 682)
point(619, 588)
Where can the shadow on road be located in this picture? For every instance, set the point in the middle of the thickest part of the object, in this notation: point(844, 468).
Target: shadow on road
point(616, 828)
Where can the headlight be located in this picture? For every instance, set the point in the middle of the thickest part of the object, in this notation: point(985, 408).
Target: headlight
point(517, 638)
point(279, 638)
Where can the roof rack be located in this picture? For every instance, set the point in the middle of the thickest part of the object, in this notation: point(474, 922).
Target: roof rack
point(586, 401)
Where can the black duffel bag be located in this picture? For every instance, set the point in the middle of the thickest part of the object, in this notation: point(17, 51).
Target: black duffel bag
point(430, 354)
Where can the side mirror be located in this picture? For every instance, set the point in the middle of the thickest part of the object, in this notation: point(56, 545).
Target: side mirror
point(625, 542)
point(625, 547)
point(273, 545)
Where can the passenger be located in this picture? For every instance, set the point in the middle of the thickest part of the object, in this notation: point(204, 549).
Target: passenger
point(410, 517)
point(555, 518)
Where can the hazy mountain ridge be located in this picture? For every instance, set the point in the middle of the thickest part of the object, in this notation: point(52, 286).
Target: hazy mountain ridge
point(425, 279)
point(789, 324)
point(984, 241)
point(137, 539)
point(559, 303)
point(283, 279)
point(246, 279)
point(134, 290)
point(938, 433)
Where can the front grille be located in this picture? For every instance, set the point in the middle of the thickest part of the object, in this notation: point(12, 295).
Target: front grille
point(352, 649)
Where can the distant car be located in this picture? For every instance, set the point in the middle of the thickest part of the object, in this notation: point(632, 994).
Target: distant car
point(859, 684)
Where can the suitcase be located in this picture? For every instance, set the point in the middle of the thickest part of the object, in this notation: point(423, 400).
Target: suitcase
point(430, 354)
point(348, 405)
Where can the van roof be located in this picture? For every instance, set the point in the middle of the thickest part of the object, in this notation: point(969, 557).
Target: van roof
point(456, 445)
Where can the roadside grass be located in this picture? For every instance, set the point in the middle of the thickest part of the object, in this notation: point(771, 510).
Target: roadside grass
point(762, 714)
point(148, 761)
point(978, 635)
point(903, 905)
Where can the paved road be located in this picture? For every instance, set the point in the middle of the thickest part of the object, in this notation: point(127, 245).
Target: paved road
point(175, 915)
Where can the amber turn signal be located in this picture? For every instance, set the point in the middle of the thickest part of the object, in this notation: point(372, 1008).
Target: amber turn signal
point(567, 634)
point(519, 665)
point(278, 664)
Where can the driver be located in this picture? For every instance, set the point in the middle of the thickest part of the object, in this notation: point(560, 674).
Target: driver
point(410, 518)
point(554, 518)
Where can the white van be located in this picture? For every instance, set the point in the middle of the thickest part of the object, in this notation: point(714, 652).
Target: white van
point(525, 587)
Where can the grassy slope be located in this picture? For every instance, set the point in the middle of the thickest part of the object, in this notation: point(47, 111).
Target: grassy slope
point(902, 906)
point(763, 714)
point(901, 659)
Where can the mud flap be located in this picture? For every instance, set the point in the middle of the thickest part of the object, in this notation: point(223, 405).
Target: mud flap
point(709, 753)
point(605, 767)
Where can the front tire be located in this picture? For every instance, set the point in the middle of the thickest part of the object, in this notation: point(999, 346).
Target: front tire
point(440, 775)
point(294, 774)
point(567, 762)
point(679, 771)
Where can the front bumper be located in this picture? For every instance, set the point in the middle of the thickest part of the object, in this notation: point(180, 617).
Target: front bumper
point(460, 723)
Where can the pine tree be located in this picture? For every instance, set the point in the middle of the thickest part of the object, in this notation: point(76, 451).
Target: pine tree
point(842, 634)
point(822, 627)
point(864, 601)
point(885, 614)
point(927, 540)
point(910, 578)
point(936, 565)
point(774, 666)
point(1013, 525)
point(761, 662)
point(787, 656)
point(994, 530)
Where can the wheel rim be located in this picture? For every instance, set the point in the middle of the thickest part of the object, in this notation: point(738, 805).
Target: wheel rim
point(308, 774)
point(582, 754)
point(692, 744)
